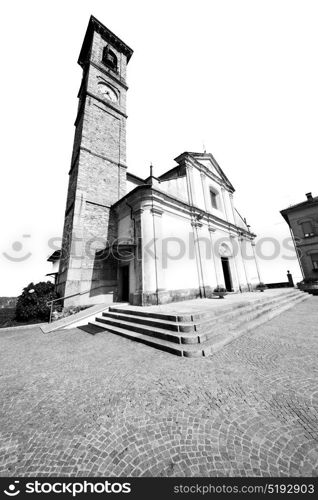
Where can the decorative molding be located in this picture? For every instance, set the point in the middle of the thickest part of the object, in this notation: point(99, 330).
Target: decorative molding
point(186, 159)
point(308, 218)
point(156, 211)
point(138, 212)
point(196, 224)
point(95, 26)
point(312, 251)
point(144, 193)
point(110, 37)
point(107, 104)
point(107, 73)
point(98, 204)
point(118, 164)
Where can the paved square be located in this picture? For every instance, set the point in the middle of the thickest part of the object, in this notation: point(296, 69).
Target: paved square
point(79, 404)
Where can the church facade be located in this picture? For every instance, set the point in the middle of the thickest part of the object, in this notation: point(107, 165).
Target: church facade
point(143, 241)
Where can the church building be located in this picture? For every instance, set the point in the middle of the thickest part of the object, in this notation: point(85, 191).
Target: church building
point(144, 241)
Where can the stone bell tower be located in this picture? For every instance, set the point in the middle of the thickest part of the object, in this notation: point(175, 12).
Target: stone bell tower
point(97, 177)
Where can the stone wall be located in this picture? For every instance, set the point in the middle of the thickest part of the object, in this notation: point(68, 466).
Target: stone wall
point(97, 180)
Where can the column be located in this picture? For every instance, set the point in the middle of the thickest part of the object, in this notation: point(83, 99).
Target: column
point(138, 261)
point(157, 235)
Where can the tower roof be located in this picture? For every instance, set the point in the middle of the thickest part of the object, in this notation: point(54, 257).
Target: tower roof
point(107, 35)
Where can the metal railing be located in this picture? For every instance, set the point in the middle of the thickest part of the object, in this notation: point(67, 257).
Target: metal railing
point(50, 303)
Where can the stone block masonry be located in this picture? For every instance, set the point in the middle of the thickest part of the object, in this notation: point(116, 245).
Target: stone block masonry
point(120, 408)
point(98, 171)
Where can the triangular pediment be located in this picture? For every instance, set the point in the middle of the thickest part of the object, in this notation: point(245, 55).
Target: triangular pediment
point(207, 161)
point(209, 164)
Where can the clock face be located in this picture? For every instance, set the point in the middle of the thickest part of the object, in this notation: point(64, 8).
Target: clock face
point(107, 92)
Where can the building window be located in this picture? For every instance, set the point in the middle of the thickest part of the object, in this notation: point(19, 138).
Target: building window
point(307, 228)
point(214, 199)
point(110, 59)
point(314, 259)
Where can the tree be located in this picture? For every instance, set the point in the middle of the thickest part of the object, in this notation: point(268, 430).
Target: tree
point(32, 303)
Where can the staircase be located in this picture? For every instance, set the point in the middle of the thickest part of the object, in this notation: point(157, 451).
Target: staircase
point(200, 333)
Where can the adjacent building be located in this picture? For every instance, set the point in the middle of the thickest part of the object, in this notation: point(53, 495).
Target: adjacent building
point(303, 222)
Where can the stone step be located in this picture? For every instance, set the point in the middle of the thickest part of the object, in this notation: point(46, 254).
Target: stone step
point(223, 328)
point(215, 328)
point(245, 313)
point(220, 339)
point(196, 316)
point(150, 314)
point(259, 301)
point(145, 339)
point(148, 320)
point(231, 323)
point(289, 301)
point(252, 316)
point(214, 345)
point(160, 333)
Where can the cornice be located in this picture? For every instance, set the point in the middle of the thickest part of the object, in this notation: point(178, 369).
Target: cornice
point(189, 161)
point(300, 206)
point(91, 202)
point(156, 211)
point(148, 193)
point(96, 26)
point(108, 74)
point(106, 103)
point(82, 148)
point(304, 243)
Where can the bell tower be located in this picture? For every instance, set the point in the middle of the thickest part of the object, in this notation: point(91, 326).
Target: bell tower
point(97, 176)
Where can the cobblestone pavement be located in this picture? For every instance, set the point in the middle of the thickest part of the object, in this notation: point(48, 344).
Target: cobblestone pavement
point(79, 404)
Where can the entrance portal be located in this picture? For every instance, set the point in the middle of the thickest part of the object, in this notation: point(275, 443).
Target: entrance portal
point(124, 283)
point(227, 273)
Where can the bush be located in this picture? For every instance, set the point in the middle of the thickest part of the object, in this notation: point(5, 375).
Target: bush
point(32, 303)
point(220, 288)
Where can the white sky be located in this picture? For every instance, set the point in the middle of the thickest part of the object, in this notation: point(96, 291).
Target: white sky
point(239, 76)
